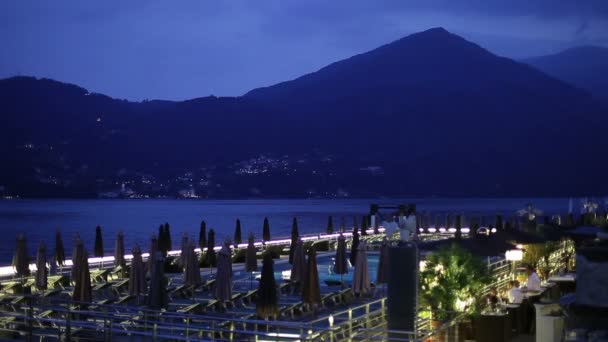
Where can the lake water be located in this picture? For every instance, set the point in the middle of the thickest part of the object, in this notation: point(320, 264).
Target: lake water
point(139, 219)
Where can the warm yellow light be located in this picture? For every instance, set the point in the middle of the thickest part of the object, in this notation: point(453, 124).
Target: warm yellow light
point(514, 255)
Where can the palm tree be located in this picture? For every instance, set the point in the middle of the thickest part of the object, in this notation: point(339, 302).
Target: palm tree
point(529, 212)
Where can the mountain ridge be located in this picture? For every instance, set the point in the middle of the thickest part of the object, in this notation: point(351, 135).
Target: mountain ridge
point(428, 114)
point(584, 66)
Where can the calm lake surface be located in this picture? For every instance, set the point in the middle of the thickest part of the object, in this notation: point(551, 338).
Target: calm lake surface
point(139, 219)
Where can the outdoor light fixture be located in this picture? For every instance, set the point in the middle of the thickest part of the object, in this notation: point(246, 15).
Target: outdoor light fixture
point(514, 255)
point(465, 230)
point(432, 230)
point(442, 230)
point(452, 230)
point(331, 320)
point(493, 230)
point(483, 230)
point(519, 246)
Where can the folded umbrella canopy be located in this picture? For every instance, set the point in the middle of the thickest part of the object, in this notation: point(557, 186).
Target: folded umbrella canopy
point(119, 251)
point(223, 282)
point(267, 300)
point(82, 282)
point(59, 250)
point(298, 266)
point(21, 261)
point(251, 262)
point(383, 263)
point(42, 272)
point(137, 275)
point(341, 262)
point(76, 257)
point(192, 269)
point(151, 253)
point(311, 292)
point(157, 296)
point(361, 283)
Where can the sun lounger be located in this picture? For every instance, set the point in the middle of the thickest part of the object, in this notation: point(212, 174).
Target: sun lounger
point(29, 282)
point(344, 296)
point(249, 296)
point(51, 292)
point(13, 287)
point(210, 304)
point(290, 310)
point(117, 273)
point(99, 276)
point(284, 287)
point(124, 299)
point(328, 297)
point(120, 286)
point(208, 284)
point(193, 308)
point(101, 286)
point(57, 281)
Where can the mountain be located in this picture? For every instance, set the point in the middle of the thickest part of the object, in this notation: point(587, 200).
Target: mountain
point(429, 114)
point(585, 67)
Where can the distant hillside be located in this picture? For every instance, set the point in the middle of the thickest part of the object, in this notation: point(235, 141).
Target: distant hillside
point(429, 114)
point(585, 67)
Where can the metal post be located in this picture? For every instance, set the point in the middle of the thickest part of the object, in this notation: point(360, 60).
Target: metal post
point(68, 328)
point(350, 323)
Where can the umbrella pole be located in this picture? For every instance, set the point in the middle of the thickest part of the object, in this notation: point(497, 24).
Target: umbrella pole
point(342, 280)
point(250, 280)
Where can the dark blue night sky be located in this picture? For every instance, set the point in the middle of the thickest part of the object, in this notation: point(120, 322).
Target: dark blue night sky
point(186, 49)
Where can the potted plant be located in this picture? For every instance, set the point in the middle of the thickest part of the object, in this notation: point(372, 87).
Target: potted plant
point(451, 282)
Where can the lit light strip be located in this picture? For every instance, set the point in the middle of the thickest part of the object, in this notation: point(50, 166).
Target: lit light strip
point(10, 270)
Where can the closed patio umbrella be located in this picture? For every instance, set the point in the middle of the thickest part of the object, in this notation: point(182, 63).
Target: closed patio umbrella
point(354, 247)
point(251, 262)
point(361, 283)
point(298, 267)
point(21, 258)
point(295, 234)
point(330, 225)
point(266, 230)
point(364, 225)
point(157, 296)
point(341, 263)
point(211, 257)
point(311, 291)
point(192, 270)
point(78, 248)
point(98, 250)
point(183, 255)
point(202, 236)
point(59, 255)
point(167, 244)
point(42, 271)
point(382, 276)
point(267, 300)
point(237, 233)
point(137, 275)
point(119, 253)
point(152, 253)
point(82, 282)
point(223, 282)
